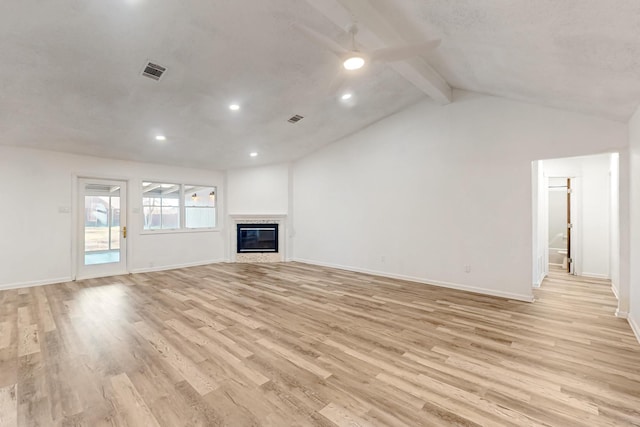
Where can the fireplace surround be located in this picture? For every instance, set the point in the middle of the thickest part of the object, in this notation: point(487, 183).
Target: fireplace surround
point(261, 221)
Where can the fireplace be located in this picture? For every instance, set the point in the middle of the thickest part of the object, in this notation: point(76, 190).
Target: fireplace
point(257, 238)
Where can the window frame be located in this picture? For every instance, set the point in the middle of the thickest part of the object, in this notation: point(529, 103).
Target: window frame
point(214, 207)
point(181, 209)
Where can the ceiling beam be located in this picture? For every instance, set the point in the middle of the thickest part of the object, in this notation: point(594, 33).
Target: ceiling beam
point(150, 187)
point(170, 190)
point(375, 31)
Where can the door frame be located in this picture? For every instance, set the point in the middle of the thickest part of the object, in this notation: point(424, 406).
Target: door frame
point(77, 241)
point(575, 206)
point(574, 211)
point(570, 263)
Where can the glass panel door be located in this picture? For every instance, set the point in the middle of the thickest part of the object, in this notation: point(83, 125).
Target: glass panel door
point(102, 228)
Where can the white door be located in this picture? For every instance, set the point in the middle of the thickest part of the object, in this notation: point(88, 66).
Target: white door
point(102, 222)
point(575, 219)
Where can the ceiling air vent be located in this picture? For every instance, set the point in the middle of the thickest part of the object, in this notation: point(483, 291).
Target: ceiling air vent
point(153, 71)
point(295, 119)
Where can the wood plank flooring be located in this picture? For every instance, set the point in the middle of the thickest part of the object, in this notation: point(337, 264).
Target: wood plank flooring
point(294, 344)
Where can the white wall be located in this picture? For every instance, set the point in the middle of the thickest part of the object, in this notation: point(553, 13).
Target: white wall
point(539, 205)
point(262, 190)
point(432, 189)
point(634, 295)
point(592, 236)
point(36, 237)
point(557, 229)
point(259, 190)
point(614, 167)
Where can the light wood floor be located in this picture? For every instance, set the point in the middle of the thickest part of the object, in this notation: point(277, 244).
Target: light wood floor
point(293, 344)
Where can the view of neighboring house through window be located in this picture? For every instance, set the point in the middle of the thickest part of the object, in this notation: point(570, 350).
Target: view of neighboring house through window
point(161, 206)
point(178, 206)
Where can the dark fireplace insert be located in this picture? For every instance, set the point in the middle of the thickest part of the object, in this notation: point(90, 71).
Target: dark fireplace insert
point(257, 238)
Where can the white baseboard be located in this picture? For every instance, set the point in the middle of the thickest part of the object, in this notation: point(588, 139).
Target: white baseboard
point(35, 283)
point(137, 270)
point(540, 279)
point(483, 291)
point(615, 291)
point(595, 275)
point(176, 266)
point(635, 327)
point(622, 314)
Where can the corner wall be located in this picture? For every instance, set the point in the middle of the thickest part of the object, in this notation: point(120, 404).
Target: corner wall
point(260, 192)
point(432, 190)
point(634, 291)
point(36, 217)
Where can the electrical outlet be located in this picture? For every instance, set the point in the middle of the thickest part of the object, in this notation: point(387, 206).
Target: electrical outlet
point(467, 268)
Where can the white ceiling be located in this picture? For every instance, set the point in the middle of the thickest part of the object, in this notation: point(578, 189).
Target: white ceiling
point(581, 55)
point(70, 73)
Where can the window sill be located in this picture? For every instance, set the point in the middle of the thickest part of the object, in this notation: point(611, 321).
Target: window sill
point(180, 231)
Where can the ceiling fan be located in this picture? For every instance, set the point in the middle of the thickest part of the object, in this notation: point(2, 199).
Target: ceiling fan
point(354, 58)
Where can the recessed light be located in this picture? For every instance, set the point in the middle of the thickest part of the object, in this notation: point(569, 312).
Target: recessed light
point(353, 63)
point(161, 138)
point(346, 96)
point(253, 154)
point(234, 107)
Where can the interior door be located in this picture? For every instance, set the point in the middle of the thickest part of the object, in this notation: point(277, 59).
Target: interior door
point(575, 219)
point(557, 222)
point(102, 228)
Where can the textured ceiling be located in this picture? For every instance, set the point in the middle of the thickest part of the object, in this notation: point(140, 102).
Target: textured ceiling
point(581, 55)
point(70, 74)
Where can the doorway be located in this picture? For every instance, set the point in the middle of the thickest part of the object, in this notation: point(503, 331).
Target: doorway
point(102, 228)
point(560, 223)
point(575, 209)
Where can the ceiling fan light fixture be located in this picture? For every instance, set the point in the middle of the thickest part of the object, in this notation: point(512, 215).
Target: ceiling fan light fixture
point(354, 62)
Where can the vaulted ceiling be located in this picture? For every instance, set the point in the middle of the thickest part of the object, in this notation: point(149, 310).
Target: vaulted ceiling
point(70, 77)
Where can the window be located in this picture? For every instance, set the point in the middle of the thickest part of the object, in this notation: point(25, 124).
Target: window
point(178, 206)
point(200, 207)
point(161, 206)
